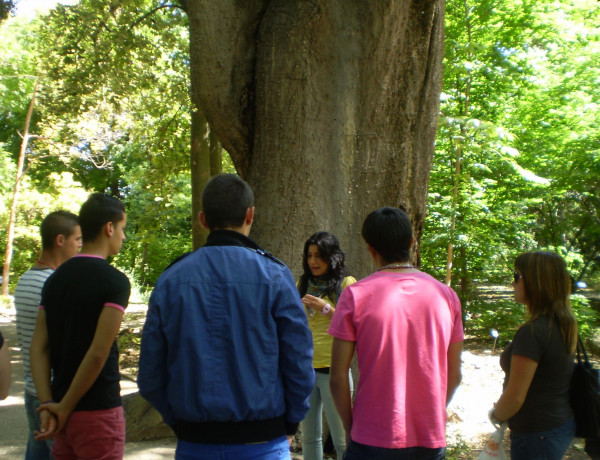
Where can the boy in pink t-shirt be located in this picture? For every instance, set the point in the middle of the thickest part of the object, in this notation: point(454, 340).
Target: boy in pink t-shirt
point(407, 331)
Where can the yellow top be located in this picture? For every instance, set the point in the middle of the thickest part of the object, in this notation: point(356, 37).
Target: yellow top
point(319, 324)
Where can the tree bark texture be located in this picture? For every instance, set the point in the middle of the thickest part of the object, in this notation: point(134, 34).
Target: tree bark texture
point(328, 109)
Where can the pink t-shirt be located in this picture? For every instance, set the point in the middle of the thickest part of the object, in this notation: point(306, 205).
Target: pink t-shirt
point(402, 324)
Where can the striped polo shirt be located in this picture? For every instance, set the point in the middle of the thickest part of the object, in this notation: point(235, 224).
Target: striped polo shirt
point(28, 295)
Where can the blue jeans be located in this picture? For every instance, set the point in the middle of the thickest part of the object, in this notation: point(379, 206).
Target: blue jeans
point(36, 450)
point(312, 425)
point(358, 451)
point(542, 445)
point(277, 449)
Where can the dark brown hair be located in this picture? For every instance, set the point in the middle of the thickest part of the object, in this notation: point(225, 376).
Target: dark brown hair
point(57, 223)
point(547, 288)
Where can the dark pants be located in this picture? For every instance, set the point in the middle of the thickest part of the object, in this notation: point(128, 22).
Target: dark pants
point(542, 445)
point(358, 451)
point(277, 449)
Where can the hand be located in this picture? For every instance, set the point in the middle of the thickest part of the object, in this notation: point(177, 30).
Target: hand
point(48, 425)
point(59, 413)
point(314, 303)
point(290, 438)
point(492, 416)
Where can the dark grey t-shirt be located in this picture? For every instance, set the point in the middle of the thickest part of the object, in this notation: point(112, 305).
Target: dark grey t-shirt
point(547, 403)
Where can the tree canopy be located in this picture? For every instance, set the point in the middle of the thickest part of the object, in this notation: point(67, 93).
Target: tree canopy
point(6, 7)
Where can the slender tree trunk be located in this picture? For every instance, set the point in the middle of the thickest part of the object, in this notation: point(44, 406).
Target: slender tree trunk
point(144, 263)
point(457, 170)
point(455, 196)
point(201, 170)
point(328, 108)
point(15, 199)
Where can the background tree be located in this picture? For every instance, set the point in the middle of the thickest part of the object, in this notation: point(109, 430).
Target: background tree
point(520, 117)
point(15, 196)
point(6, 7)
point(117, 99)
point(18, 75)
point(512, 119)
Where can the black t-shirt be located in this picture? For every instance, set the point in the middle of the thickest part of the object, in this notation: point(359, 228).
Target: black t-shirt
point(547, 403)
point(1, 340)
point(73, 297)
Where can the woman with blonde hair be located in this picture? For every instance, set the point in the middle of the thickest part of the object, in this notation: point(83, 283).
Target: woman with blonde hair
point(538, 363)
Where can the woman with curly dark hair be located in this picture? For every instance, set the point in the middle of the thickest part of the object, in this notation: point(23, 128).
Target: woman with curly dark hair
point(539, 361)
point(320, 286)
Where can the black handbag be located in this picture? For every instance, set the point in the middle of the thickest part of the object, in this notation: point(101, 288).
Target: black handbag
point(585, 400)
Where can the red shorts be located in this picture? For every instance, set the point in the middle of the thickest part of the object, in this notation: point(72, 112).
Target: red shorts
point(95, 434)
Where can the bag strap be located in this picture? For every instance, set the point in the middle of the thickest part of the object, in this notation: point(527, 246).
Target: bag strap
point(581, 351)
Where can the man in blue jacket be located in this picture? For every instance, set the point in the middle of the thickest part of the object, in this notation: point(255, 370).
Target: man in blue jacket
point(226, 353)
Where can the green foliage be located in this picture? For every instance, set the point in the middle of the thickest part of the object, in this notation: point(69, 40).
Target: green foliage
point(165, 221)
point(484, 314)
point(493, 308)
point(6, 8)
point(59, 191)
point(521, 118)
point(587, 318)
point(458, 449)
point(18, 75)
point(116, 114)
point(113, 113)
point(8, 170)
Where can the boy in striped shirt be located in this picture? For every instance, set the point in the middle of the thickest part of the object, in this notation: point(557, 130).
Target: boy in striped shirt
point(61, 240)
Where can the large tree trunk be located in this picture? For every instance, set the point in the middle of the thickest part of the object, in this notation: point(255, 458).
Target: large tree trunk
point(328, 108)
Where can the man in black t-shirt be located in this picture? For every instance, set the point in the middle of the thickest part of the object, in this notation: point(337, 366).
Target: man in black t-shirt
point(82, 306)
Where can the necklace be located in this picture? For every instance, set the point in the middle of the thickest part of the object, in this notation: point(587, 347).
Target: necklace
point(393, 266)
point(46, 264)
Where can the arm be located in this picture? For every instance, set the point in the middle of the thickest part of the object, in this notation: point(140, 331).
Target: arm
point(39, 355)
point(108, 326)
point(153, 368)
point(317, 303)
point(454, 372)
point(522, 370)
point(4, 369)
point(341, 358)
point(295, 349)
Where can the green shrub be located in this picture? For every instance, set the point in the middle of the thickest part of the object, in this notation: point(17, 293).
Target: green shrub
point(587, 318)
point(483, 315)
point(458, 449)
